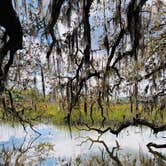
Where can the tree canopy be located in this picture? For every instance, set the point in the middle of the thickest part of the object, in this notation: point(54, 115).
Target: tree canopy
point(95, 51)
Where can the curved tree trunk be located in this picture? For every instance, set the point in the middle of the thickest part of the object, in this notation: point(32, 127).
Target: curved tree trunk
point(12, 25)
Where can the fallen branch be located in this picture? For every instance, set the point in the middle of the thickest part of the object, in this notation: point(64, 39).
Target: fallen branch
point(155, 153)
point(151, 144)
point(12, 110)
point(135, 122)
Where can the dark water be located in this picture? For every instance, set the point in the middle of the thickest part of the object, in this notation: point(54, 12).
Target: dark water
point(56, 147)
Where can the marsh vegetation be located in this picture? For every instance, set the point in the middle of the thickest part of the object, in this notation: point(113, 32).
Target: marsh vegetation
point(85, 72)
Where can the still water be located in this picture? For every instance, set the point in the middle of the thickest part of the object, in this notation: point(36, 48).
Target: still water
point(56, 146)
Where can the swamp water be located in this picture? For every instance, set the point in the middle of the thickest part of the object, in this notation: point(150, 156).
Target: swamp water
point(56, 147)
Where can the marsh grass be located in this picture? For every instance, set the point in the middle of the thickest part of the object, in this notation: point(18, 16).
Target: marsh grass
point(34, 107)
point(115, 114)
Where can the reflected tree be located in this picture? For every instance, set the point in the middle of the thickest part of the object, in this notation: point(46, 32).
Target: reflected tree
point(27, 151)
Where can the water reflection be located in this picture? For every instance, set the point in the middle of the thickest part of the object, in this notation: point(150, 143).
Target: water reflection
point(156, 153)
point(55, 147)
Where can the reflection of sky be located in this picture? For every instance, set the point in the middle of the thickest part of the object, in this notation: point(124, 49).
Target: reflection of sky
point(131, 141)
point(13, 140)
point(7, 131)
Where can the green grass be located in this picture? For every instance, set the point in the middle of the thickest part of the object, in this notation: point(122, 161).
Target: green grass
point(115, 113)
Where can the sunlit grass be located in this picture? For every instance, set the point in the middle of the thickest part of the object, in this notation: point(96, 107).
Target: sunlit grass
point(113, 114)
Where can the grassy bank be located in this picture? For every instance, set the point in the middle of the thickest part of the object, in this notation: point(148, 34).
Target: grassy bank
point(115, 114)
point(32, 106)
